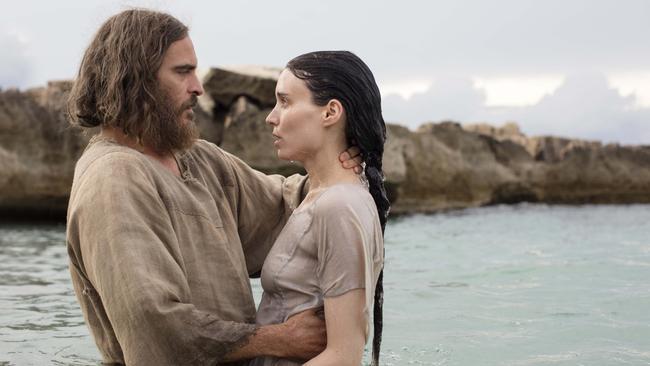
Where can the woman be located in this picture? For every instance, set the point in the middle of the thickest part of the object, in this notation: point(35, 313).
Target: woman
point(330, 252)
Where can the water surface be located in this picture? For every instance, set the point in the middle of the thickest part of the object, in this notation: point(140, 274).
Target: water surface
point(503, 285)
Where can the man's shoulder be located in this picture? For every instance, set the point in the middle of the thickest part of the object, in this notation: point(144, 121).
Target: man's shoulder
point(205, 147)
point(206, 150)
point(209, 155)
point(105, 160)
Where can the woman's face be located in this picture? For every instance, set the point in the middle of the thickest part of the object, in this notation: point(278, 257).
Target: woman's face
point(295, 118)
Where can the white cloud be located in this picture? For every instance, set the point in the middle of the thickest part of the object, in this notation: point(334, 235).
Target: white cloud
point(404, 88)
point(407, 47)
point(447, 98)
point(587, 106)
point(635, 83)
point(400, 42)
point(15, 67)
point(584, 106)
point(517, 91)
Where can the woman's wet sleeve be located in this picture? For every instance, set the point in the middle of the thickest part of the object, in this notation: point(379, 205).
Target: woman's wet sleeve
point(341, 241)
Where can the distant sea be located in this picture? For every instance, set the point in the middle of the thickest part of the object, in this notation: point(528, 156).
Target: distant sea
point(501, 285)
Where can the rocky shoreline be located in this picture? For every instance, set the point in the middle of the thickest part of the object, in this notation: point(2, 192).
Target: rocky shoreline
point(437, 167)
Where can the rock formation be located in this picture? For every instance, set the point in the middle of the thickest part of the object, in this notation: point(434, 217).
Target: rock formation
point(438, 166)
point(37, 151)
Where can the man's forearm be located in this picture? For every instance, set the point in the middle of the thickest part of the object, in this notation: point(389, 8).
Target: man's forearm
point(301, 337)
point(268, 340)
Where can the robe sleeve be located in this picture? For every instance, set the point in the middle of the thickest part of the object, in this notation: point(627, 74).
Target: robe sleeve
point(264, 203)
point(130, 256)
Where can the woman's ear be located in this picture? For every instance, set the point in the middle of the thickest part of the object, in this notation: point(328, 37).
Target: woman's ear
point(333, 113)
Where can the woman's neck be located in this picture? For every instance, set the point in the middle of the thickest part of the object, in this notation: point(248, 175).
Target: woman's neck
point(325, 169)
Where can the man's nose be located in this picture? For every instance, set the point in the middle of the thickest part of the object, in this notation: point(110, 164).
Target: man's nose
point(196, 87)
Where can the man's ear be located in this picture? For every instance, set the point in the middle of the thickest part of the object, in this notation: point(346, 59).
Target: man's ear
point(332, 113)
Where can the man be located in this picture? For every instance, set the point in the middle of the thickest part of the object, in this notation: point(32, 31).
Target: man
point(165, 229)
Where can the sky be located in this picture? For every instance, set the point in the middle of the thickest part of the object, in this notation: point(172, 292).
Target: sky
point(571, 68)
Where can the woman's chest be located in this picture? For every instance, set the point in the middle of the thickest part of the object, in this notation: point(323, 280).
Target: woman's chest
point(292, 262)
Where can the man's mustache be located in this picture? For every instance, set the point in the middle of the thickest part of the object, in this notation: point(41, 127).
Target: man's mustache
point(190, 103)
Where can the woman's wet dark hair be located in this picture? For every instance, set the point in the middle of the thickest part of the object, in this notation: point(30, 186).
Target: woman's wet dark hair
point(341, 75)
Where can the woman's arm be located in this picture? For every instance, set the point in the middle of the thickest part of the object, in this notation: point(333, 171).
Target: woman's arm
point(346, 330)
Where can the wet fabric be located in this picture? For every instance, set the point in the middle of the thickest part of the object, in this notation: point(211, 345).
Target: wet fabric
point(161, 264)
point(329, 246)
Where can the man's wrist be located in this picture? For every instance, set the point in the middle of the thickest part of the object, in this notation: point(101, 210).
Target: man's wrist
point(272, 340)
point(264, 341)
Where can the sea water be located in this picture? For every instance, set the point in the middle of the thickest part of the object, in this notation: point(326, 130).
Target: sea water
point(501, 285)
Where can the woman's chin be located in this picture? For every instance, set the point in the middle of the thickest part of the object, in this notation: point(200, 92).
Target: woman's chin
point(285, 156)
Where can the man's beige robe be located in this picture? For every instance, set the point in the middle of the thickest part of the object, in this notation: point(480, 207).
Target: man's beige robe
point(161, 264)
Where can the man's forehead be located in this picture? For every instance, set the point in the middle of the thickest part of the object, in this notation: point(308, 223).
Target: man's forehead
point(180, 52)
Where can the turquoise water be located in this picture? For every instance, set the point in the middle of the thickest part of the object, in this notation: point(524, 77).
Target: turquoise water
point(503, 285)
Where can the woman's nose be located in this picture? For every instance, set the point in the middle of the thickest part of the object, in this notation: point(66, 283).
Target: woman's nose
point(272, 118)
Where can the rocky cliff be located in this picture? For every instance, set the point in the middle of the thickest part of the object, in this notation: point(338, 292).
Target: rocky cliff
point(37, 151)
point(438, 166)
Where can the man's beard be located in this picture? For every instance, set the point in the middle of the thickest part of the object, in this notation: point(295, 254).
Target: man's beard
point(167, 131)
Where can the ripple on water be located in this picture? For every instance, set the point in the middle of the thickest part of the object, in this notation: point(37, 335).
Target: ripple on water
point(9, 279)
point(434, 284)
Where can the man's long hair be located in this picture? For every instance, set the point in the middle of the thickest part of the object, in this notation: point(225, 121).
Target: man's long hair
point(117, 85)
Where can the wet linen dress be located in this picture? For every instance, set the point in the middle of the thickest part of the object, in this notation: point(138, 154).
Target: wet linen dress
point(328, 247)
